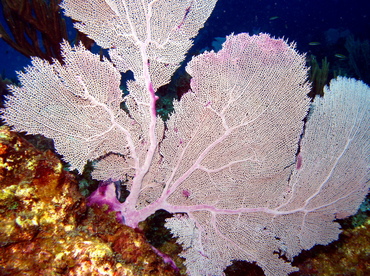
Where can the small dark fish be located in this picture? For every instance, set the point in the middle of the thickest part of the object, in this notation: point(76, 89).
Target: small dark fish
point(314, 43)
point(274, 17)
point(340, 56)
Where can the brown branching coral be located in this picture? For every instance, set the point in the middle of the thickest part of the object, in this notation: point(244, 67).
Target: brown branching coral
point(3, 90)
point(359, 58)
point(318, 76)
point(36, 28)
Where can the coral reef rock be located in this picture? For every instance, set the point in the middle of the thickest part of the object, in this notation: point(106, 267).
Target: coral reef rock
point(47, 229)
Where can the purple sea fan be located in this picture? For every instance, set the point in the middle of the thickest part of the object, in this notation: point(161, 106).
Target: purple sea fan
point(106, 194)
point(225, 164)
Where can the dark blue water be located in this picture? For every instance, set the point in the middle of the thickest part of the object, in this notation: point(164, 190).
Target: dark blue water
point(324, 23)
